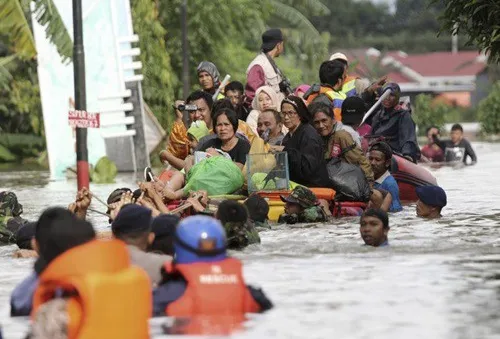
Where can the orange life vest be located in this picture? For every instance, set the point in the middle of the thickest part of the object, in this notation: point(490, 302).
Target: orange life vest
point(335, 97)
point(215, 288)
point(107, 296)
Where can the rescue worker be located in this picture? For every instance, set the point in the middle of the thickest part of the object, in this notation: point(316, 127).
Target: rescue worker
point(203, 280)
point(302, 205)
point(374, 227)
point(132, 225)
point(263, 71)
point(163, 227)
point(395, 125)
point(239, 232)
point(209, 78)
point(431, 200)
point(258, 209)
point(380, 157)
point(10, 217)
point(77, 289)
point(329, 91)
point(349, 83)
point(57, 230)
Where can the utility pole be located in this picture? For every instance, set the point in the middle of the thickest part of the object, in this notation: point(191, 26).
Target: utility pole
point(185, 49)
point(82, 164)
point(454, 40)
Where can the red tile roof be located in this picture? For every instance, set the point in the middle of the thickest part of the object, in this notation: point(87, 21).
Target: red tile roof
point(466, 63)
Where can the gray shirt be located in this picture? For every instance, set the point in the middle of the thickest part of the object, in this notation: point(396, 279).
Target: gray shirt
point(149, 262)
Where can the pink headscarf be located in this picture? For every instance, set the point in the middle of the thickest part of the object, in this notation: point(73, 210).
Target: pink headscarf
point(272, 94)
point(302, 88)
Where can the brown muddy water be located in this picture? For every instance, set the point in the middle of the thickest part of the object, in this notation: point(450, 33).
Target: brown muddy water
point(438, 279)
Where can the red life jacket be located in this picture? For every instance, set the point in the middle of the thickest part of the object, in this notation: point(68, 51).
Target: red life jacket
point(213, 289)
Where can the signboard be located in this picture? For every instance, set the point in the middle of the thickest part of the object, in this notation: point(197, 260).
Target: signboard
point(83, 119)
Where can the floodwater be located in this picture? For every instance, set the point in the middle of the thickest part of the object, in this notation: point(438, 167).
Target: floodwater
point(438, 279)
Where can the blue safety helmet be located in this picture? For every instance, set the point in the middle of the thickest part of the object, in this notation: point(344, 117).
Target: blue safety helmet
point(199, 239)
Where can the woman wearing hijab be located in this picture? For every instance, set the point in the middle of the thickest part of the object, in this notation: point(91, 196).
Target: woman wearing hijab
point(265, 98)
point(209, 78)
point(303, 144)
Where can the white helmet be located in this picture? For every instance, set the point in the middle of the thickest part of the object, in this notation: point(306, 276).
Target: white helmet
point(338, 56)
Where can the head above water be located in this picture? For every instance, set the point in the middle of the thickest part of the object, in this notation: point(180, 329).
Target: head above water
point(56, 231)
point(301, 196)
point(457, 133)
point(257, 207)
point(430, 132)
point(9, 205)
point(431, 200)
point(132, 225)
point(374, 227)
point(199, 239)
point(164, 227)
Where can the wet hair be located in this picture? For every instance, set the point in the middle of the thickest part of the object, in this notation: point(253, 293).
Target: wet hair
point(379, 214)
point(257, 207)
point(383, 147)
point(231, 116)
point(320, 107)
point(457, 127)
point(196, 95)
point(299, 106)
point(57, 231)
point(431, 127)
point(164, 227)
point(277, 115)
point(116, 195)
point(231, 211)
point(331, 71)
point(234, 86)
point(25, 234)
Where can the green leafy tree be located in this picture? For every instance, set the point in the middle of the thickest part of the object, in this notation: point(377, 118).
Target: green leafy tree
point(489, 111)
point(479, 20)
point(428, 113)
point(160, 81)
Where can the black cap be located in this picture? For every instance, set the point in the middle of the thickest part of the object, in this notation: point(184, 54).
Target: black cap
point(132, 219)
point(165, 225)
point(271, 38)
point(353, 111)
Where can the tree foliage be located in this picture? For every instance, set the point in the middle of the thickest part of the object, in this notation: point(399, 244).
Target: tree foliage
point(489, 111)
point(428, 113)
point(479, 20)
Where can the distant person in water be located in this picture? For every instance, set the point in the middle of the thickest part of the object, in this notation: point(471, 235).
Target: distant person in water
point(374, 227)
point(431, 151)
point(457, 148)
point(431, 200)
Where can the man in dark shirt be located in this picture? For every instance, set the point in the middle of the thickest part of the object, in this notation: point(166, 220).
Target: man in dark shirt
point(457, 148)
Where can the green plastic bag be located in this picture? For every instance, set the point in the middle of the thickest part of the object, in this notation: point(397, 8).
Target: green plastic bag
point(216, 175)
point(258, 180)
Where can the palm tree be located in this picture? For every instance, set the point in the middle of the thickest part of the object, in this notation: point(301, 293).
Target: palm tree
point(13, 23)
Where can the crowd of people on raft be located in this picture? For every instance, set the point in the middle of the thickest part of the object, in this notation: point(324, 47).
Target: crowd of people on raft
point(181, 268)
